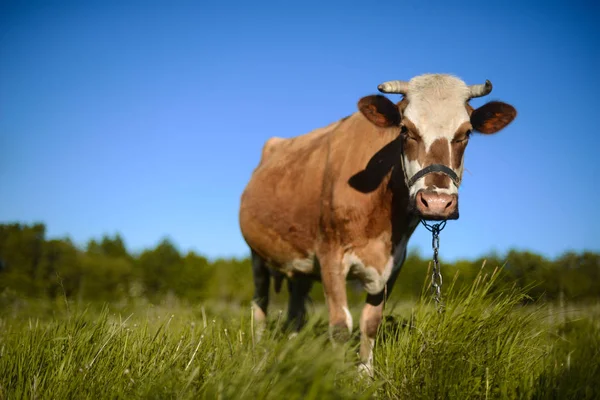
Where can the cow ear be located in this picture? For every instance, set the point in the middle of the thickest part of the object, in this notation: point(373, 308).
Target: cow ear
point(379, 110)
point(492, 117)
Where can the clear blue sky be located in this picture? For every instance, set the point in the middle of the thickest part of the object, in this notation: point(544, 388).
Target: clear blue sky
point(148, 118)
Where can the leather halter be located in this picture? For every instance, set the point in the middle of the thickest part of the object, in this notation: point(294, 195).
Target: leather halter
point(440, 168)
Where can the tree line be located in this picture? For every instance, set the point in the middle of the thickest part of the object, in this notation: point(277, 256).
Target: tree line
point(34, 266)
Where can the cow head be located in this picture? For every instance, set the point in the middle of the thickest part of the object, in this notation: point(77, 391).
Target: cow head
point(435, 121)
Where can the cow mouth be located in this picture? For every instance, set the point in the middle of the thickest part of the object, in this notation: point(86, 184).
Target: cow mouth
point(435, 217)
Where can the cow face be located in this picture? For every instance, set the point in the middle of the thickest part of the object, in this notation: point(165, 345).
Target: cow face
point(436, 122)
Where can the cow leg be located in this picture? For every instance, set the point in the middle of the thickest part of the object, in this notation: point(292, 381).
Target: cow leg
point(260, 300)
point(299, 286)
point(371, 317)
point(334, 286)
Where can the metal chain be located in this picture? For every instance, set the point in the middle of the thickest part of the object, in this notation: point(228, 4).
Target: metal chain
point(436, 275)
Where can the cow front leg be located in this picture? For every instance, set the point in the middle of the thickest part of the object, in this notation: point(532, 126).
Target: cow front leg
point(371, 317)
point(333, 277)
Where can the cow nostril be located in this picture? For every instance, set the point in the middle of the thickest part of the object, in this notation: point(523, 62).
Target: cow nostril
point(424, 202)
point(449, 204)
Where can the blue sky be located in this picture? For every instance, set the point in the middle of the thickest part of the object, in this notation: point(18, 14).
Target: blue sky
point(148, 118)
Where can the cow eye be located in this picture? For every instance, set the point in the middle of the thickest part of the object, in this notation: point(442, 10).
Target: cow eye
point(406, 134)
point(464, 138)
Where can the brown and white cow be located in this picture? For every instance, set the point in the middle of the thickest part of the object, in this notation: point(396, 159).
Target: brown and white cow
point(342, 201)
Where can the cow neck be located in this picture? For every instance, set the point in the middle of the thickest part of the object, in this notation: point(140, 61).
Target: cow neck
point(403, 221)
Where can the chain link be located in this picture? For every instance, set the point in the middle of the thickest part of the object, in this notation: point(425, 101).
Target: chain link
point(436, 275)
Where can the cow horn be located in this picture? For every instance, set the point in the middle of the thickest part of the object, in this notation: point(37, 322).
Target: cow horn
point(480, 90)
point(400, 87)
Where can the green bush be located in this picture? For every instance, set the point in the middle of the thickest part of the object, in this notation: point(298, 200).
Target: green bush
point(35, 267)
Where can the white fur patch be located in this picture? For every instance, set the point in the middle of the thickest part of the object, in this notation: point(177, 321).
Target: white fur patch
point(259, 315)
point(372, 280)
point(348, 318)
point(366, 367)
point(436, 105)
point(259, 321)
point(412, 167)
point(303, 265)
point(451, 190)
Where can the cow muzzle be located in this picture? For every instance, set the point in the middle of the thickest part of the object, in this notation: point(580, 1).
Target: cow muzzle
point(436, 206)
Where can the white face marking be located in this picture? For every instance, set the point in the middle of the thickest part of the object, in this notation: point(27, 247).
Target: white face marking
point(372, 280)
point(348, 318)
point(412, 167)
point(436, 106)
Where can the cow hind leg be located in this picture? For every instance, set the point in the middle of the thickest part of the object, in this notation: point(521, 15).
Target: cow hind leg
point(299, 286)
point(260, 300)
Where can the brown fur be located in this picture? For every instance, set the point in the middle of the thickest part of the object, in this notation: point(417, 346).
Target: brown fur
point(492, 117)
point(459, 144)
point(286, 211)
point(413, 145)
point(269, 147)
point(299, 203)
point(402, 104)
point(379, 110)
point(469, 108)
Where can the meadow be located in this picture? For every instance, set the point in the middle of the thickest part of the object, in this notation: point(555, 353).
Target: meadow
point(491, 341)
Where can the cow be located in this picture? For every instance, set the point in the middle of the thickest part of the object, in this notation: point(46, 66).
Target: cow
point(342, 201)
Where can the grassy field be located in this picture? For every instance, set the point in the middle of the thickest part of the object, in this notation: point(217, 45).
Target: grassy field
point(485, 345)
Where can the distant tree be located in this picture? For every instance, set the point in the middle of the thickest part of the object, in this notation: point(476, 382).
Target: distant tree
point(105, 278)
point(231, 280)
point(159, 268)
point(31, 266)
point(193, 279)
point(21, 249)
point(579, 274)
point(59, 272)
point(93, 247)
point(413, 276)
point(114, 247)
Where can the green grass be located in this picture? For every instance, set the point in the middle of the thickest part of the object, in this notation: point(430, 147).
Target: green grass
point(485, 345)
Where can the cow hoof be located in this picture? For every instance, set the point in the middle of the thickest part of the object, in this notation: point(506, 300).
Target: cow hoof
point(365, 370)
point(339, 333)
